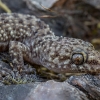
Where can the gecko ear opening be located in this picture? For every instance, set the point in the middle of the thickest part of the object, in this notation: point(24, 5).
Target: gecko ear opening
point(78, 56)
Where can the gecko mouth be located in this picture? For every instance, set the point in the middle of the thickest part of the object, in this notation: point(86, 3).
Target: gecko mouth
point(79, 57)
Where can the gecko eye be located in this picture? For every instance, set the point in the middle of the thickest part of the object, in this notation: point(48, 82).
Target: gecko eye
point(79, 57)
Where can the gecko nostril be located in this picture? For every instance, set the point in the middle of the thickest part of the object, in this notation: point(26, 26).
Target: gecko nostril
point(77, 59)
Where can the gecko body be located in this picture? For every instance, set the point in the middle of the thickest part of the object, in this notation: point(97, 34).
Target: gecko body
point(27, 38)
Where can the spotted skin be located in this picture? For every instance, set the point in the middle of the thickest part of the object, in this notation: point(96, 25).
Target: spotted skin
point(27, 38)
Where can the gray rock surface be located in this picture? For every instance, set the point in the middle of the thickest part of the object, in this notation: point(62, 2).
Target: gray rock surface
point(83, 87)
point(15, 92)
point(49, 90)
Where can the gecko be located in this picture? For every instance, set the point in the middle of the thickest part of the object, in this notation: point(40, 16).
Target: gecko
point(29, 39)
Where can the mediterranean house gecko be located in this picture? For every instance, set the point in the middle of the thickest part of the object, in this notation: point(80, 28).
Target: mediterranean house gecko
point(27, 38)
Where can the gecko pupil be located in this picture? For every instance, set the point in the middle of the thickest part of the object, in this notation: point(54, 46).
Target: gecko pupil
point(77, 59)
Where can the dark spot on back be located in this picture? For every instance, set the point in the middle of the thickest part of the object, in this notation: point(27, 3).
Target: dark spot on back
point(80, 41)
point(51, 43)
point(2, 18)
point(20, 21)
point(6, 21)
point(48, 33)
point(39, 41)
point(29, 24)
point(54, 56)
point(41, 24)
point(6, 30)
point(29, 18)
point(42, 43)
point(59, 39)
point(75, 43)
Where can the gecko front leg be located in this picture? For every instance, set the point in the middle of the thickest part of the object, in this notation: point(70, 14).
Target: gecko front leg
point(19, 52)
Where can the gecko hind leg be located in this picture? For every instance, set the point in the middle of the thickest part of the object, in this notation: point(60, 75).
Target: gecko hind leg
point(18, 52)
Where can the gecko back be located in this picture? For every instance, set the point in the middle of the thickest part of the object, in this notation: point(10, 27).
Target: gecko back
point(18, 26)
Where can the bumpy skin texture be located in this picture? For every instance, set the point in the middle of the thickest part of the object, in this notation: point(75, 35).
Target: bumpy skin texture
point(29, 39)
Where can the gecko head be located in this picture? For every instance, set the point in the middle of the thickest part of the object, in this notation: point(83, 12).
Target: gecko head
point(73, 56)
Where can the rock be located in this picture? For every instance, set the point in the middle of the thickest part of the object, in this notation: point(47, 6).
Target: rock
point(52, 90)
point(83, 87)
point(15, 92)
point(40, 4)
point(95, 3)
point(89, 84)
